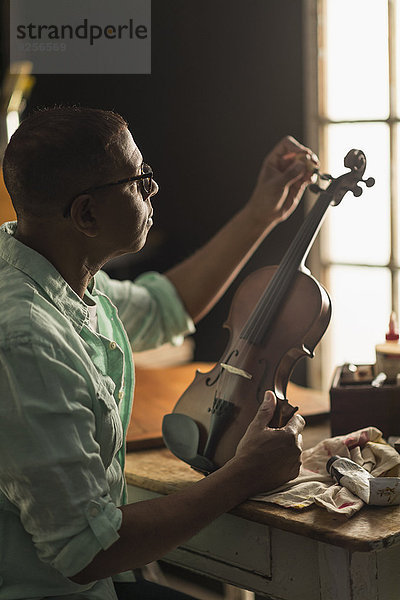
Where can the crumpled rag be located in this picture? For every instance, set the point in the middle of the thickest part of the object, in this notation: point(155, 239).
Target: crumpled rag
point(366, 447)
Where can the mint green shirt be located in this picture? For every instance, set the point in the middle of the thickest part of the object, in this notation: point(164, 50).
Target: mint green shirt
point(65, 402)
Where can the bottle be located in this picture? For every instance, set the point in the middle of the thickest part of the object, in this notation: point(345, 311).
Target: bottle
point(350, 475)
point(388, 354)
point(378, 491)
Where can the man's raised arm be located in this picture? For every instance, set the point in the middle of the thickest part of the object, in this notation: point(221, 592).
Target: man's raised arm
point(203, 278)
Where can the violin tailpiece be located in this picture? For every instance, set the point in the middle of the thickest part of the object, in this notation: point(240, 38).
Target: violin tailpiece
point(221, 406)
point(221, 413)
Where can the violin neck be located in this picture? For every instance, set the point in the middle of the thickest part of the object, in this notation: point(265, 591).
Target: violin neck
point(263, 315)
point(298, 250)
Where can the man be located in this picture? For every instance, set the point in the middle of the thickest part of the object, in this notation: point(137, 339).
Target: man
point(82, 195)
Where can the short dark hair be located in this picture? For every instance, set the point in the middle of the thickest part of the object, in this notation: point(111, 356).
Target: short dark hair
point(55, 153)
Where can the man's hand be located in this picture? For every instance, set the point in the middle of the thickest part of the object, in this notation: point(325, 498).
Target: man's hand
point(271, 456)
point(284, 175)
point(265, 459)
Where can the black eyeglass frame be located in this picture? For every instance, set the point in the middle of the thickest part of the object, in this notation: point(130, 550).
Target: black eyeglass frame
point(149, 175)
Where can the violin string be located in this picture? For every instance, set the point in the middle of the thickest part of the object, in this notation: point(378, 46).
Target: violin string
point(261, 314)
point(277, 288)
point(272, 296)
point(227, 381)
point(270, 300)
point(267, 306)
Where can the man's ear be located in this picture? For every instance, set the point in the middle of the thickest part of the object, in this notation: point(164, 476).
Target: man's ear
point(84, 215)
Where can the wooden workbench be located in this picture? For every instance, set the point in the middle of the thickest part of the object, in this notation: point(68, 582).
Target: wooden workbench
point(282, 553)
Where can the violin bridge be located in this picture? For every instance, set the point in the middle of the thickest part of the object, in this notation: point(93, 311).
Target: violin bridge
point(236, 371)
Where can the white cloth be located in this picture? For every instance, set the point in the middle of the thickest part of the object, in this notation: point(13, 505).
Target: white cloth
point(314, 484)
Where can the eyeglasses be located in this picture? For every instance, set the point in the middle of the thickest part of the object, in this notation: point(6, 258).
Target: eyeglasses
point(145, 178)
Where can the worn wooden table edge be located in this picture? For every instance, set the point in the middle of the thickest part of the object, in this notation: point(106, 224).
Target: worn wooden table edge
point(359, 533)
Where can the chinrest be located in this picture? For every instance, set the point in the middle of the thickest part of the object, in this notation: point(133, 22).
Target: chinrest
point(181, 436)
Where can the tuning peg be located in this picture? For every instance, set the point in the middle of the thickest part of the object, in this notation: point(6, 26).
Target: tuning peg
point(369, 182)
point(325, 176)
point(357, 191)
point(315, 189)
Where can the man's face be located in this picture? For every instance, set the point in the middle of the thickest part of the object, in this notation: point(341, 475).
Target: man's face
point(126, 209)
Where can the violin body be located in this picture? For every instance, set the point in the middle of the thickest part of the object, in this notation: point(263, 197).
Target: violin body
point(278, 315)
point(298, 327)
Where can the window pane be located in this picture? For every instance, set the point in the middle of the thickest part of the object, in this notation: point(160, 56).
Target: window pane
point(396, 215)
point(397, 283)
point(357, 59)
point(396, 8)
point(358, 230)
point(361, 308)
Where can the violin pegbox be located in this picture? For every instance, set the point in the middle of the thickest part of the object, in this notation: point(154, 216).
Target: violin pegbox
point(356, 161)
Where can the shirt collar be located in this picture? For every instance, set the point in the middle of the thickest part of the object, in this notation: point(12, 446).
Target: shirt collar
point(44, 274)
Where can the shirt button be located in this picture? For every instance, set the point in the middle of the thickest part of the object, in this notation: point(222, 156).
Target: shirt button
point(120, 394)
point(94, 511)
point(112, 345)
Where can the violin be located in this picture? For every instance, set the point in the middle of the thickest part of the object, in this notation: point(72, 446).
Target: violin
point(278, 315)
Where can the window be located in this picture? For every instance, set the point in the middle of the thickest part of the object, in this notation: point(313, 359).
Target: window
point(353, 99)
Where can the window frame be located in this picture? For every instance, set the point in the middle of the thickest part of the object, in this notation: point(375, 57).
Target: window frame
point(316, 124)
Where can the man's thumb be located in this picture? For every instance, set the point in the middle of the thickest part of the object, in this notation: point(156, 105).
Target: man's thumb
point(267, 408)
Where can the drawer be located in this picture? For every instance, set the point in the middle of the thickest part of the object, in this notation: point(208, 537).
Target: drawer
point(230, 544)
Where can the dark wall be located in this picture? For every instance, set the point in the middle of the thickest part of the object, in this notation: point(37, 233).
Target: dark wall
point(226, 85)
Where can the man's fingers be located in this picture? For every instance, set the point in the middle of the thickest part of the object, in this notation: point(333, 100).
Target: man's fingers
point(293, 173)
point(290, 144)
point(290, 164)
point(294, 177)
point(294, 195)
point(295, 425)
point(266, 409)
point(309, 158)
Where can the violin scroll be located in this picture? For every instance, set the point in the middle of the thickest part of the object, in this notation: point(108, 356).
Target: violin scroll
point(356, 161)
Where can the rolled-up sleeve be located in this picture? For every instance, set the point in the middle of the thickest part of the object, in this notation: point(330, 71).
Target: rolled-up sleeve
point(50, 467)
point(150, 309)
